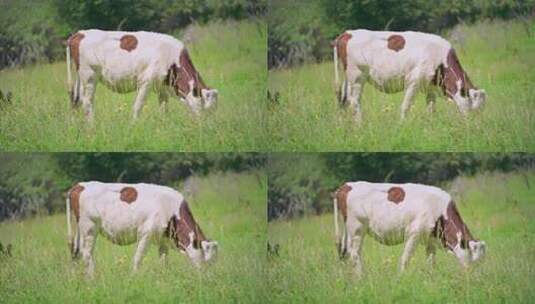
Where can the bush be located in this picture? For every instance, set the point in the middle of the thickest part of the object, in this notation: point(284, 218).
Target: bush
point(32, 31)
point(36, 183)
point(301, 184)
point(300, 31)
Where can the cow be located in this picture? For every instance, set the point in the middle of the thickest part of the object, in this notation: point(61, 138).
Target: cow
point(128, 61)
point(397, 213)
point(397, 61)
point(129, 213)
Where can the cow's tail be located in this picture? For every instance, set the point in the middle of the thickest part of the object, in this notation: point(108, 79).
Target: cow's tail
point(74, 243)
point(341, 240)
point(341, 91)
point(335, 59)
point(74, 89)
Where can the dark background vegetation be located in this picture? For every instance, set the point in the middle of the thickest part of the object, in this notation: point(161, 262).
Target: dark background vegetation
point(301, 31)
point(35, 183)
point(301, 184)
point(35, 30)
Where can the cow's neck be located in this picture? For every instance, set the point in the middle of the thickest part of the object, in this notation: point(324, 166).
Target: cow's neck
point(187, 74)
point(452, 78)
point(188, 231)
point(451, 229)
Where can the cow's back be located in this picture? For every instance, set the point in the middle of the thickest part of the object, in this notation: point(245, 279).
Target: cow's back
point(140, 201)
point(396, 53)
point(119, 54)
point(412, 200)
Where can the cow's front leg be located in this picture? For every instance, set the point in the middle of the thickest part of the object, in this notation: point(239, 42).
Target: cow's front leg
point(408, 98)
point(408, 250)
point(430, 99)
point(163, 98)
point(142, 91)
point(430, 250)
point(142, 246)
point(162, 251)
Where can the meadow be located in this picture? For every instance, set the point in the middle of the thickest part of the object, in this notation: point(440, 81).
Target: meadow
point(230, 57)
point(498, 57)
point(230, 208)
point(498, 208)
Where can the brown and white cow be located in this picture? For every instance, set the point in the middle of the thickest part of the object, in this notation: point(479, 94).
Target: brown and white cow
point(128, 61)
point(397, 61)
point(397, 213)
point(128, 213)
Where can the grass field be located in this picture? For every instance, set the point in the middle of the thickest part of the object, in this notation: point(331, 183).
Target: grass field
point(498, 208)
point(230, 209)
point(231, 56)
point(308, 118)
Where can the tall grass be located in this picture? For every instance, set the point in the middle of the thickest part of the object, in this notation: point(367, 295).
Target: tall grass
point(498, 208)
point(498, 57)
point(230, 208)
point(230, 57)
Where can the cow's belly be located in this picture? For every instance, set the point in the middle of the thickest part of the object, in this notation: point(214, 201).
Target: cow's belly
point(387, 224)
point(118, 83)
point(387, 85)
point(120, 226)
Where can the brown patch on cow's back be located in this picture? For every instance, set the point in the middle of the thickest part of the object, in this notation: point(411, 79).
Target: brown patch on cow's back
point(341, 199)
point(74, 197)
point(396, 42)
point(396, 195)
point(128, 194)
point(128, 42)
point(341, 44)
point(74, 46)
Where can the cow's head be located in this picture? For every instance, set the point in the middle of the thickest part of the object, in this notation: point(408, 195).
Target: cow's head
point(189, 86)
point(189, 238)
point(456, 238)
point(457, 86)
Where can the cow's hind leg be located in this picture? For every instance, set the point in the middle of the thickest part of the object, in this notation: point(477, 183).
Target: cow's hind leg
point(355, 84)
point(355, 236)
point(88, 85)
point(142, 91)
point(408, 250)
point(88, 232)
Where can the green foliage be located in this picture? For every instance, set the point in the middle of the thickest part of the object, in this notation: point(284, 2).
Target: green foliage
point(304, 36)
point(504, 66)
point(498, 208)
point(300, 184)
point(32, 31)
point(29, 32)
point(230, 208)
point(35, 183)
point(40, 117)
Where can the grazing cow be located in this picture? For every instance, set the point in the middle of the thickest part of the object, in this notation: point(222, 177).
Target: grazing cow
point(126, 213)
point(126, 61)
point(397, 213)
point(397, 61)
